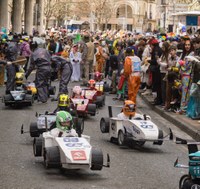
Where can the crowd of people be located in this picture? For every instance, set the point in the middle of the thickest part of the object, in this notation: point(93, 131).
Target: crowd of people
point(166, 66)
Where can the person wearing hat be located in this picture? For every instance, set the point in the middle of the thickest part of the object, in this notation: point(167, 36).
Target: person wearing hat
point(132, 69)
point(75, 59)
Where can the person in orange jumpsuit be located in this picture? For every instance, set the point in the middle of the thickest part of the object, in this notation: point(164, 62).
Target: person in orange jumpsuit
point(99, 55)
point(132, 69)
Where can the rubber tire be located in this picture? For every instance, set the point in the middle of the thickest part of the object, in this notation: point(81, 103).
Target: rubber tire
point(97, 160)
point(182, 181)
point(160, 136)
point(34, 130)
point(37, 147)
point(121, 138)
point(52, 157)
point(29, 98)
point(8, 97)
point(104, 125)
point(99, 101)
point(92, 109)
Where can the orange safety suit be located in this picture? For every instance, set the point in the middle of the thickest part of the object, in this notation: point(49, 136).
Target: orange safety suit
point(132, 68)
point(100, 60)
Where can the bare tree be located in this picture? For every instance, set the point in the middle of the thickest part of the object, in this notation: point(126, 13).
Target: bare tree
point(61, 10)
point(48, 10)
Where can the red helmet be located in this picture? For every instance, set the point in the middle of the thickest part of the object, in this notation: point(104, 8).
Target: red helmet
point(97, 76)
point(91, 82)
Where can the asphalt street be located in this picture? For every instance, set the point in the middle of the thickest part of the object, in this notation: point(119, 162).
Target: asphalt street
point(148, 167)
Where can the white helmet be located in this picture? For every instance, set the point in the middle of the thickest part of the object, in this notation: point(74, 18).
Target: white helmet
point(77, 90)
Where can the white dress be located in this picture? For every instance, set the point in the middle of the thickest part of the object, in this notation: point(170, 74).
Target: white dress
point(75, 59)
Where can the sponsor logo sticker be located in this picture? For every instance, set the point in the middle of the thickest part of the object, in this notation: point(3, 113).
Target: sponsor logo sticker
point(78, 155)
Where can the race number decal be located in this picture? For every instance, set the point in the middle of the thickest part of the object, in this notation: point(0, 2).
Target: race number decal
point(74, 145)
point(78, 155)
point(70, 139)
point(145, 125)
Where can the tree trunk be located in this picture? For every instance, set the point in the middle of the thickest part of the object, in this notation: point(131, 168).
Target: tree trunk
point(47, 23)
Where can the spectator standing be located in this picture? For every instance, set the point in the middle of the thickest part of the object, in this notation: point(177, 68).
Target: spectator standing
point(163, 62)
point(132, 69)
point(75, 59)
point(25, 51)
point(185, 69)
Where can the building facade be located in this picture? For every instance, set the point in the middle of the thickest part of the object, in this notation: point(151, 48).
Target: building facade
point(22, 15)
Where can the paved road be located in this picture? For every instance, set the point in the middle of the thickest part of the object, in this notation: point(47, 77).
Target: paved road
point(150, 167)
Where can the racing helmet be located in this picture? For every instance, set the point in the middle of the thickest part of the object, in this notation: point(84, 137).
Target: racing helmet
point(64, 120)
point(77, 90)
point(63, 100)
point(19, 78)
point(97, 76)
point(129, 108)
point(92, 83)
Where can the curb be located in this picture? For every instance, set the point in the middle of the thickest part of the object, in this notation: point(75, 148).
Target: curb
point(195, 134)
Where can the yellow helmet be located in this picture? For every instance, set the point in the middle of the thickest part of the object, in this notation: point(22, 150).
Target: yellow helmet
point(19, 77)
point(63, 100)
point(129, 108)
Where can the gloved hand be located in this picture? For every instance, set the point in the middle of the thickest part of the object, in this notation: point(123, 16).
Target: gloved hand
point(9, 63)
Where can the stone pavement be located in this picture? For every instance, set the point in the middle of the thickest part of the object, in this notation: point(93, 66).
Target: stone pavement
point(191, 127)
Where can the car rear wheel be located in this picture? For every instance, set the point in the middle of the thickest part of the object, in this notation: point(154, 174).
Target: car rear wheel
point(7, 97)
point(34, 130)
point(97, 160)
point(104, 125)
point(52, 157)
point(183, 181)
point(30, 99)
point(37, 147)
point(99, 101)
point(160, 136)
point(92, 109)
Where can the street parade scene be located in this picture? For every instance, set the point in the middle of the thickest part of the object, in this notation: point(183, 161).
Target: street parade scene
point(94, 94)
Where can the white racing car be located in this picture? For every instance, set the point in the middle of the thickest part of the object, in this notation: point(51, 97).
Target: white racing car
point(68, 152)
point(138, 130)
point(47, 121)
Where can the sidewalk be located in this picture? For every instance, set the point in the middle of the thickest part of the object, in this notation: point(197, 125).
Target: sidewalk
point(191, 127)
